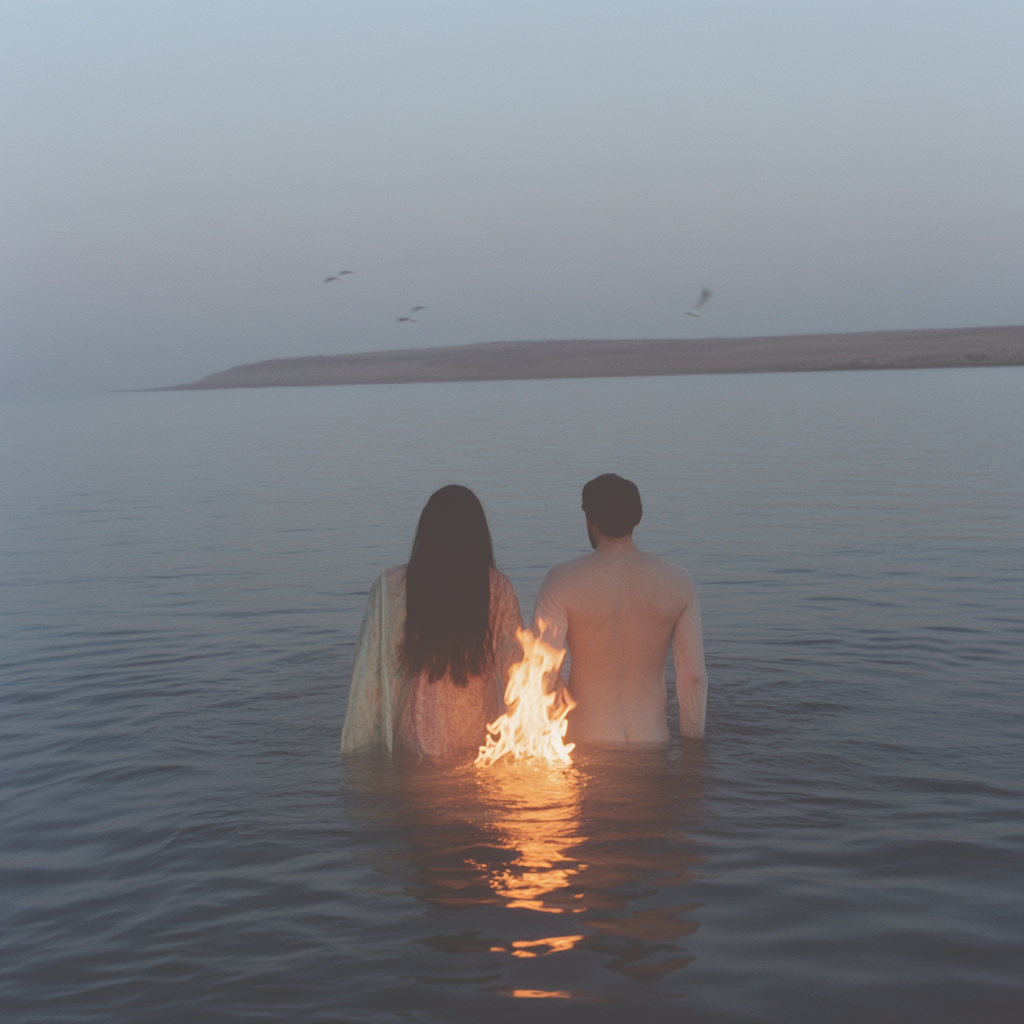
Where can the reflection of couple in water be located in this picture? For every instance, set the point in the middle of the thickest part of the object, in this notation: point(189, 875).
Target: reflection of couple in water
point(438, 638)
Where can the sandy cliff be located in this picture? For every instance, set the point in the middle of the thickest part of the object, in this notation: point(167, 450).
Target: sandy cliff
point(526, 360)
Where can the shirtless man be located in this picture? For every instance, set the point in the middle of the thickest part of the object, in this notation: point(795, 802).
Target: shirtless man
point(618, 610)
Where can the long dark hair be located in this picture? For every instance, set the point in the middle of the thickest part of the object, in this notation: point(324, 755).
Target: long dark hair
point(448, 589)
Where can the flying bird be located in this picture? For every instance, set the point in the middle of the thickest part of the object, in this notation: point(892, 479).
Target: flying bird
point(705, 294)
point(410, 319)
point(338, 276)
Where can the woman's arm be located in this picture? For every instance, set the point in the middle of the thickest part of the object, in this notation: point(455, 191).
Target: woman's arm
point(507, 618)
point(363, 718)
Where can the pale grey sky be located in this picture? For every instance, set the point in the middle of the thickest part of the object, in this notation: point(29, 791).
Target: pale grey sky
point(179, 177)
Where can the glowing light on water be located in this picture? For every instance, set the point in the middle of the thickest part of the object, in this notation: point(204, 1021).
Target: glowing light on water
point(538, 993)
point(534, 877)
point(534, 724)
point(544, 947)
point(535, 801)
point(533, 808)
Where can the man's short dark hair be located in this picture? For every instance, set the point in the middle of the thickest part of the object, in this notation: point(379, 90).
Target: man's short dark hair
point(612, 504)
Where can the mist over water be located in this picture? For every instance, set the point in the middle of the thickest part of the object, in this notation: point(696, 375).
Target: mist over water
point(184, 577)
point(181, 177)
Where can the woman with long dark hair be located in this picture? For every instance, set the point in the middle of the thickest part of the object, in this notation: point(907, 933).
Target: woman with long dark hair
point(437, 641)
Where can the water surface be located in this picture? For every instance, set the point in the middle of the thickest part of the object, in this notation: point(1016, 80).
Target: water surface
point(184, 576)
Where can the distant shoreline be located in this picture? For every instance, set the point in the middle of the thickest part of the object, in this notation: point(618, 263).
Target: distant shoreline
point(546, 360)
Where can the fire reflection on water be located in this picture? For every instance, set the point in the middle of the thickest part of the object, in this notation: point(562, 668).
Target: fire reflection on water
point(535, 809)
point(539, 947)
point(601, 841)
point(537, 993)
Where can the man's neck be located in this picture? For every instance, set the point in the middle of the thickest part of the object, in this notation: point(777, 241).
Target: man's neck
point(614, 545)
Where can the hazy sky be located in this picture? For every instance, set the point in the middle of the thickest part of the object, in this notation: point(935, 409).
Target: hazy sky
point(178, 178)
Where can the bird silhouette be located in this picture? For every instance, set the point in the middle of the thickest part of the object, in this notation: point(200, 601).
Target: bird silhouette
point(410, 319)
point(338, 276)
point(704, 296)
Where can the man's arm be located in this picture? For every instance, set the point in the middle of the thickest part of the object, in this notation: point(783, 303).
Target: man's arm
point(691, 675)
point(551, 623)
point(550, 615)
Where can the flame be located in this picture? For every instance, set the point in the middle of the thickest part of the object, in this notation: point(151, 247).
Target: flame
point(534, 724)
point(537, 806)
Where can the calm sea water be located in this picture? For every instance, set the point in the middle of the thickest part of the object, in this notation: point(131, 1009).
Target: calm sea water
point(183, 578)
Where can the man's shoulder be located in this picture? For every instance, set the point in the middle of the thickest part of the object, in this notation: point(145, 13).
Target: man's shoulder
point(669, 577)
point(565, 572)
point(660, 565)
point(592, 570)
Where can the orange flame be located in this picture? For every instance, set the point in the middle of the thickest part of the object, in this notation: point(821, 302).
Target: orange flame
point(534, 724)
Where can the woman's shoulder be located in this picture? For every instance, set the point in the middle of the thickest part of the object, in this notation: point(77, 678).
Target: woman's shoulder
point(393, 582)
point(500, 582)
point(503, 595)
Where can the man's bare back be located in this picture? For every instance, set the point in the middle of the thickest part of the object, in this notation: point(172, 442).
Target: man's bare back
point(619, 609)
